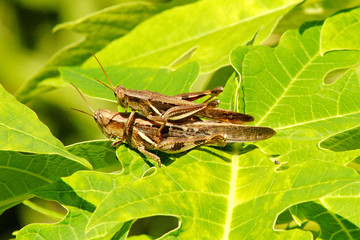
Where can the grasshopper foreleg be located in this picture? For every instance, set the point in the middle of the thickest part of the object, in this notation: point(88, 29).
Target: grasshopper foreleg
point(129, 123)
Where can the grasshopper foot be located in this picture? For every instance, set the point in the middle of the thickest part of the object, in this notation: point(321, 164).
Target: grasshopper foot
point(116, 143)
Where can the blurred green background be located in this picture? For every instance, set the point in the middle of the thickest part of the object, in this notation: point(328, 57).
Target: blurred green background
point(26, 43)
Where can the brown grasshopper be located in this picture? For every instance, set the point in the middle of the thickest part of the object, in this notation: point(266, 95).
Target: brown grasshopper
point(140, 132)
point(162, 108)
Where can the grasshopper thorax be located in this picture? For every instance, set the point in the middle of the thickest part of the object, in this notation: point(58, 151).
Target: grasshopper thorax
point(120, 94)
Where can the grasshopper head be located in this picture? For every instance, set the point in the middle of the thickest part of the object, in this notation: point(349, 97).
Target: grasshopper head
point(110, 123)
point(102, 121)
point(121, 96)
point(105, 120)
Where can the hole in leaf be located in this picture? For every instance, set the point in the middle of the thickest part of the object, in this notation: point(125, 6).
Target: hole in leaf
point(154, 227)
point(282, 167)
point(149, 172)
point(219, 77)
point(287, 220)
point(333, 75)
point(321, 222)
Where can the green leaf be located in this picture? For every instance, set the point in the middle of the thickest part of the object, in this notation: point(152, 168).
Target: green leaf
point(341, 32)
point(81, 190)
point(99, 30)
point(284, 89)
point(81, 193)
point(21, 130)
point(25, 175)
point(21, 174)
point(228, 100)
point(71, 227)
point(230, 195)
point(206, 38)
point(159, 80)
point(332, 226)
point(235, 192)
point(345, 202)
point(100, 154)
point(343, 141)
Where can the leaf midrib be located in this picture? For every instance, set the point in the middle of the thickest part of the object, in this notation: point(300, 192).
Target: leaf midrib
point(294, 79)
point(317, 120)
point(34, 137)
point(231, 198)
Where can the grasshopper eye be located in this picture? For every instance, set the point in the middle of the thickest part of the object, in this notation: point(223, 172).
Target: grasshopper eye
point(120, 96)
point(119, 92)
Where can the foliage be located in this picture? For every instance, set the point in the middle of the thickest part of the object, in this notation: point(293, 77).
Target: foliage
point(306, 88)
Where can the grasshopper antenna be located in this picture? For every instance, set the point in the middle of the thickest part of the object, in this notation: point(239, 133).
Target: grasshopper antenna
point(87, 103)
point(104, 84)
point(112, 85)
point(81, 111)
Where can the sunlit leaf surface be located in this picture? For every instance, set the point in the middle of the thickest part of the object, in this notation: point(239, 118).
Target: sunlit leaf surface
point(21, 130)
point(341, 32)
point(237, 192)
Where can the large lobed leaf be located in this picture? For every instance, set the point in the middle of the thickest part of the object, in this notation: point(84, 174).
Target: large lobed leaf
point(84, 190)
point(208, 36)
point(22, 175)
point(284, 88)
point(223, 199)
point(238, 195)
point(99, 29)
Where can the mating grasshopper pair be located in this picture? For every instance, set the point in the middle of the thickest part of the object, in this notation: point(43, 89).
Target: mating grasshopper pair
point(161, 108)
point(176, 137)
point(172, 124)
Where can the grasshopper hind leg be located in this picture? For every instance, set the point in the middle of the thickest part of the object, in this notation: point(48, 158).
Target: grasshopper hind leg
point(180, 113)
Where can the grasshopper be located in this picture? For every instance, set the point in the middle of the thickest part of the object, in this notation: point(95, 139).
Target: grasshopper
point(162, 108)
point(140, 132)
